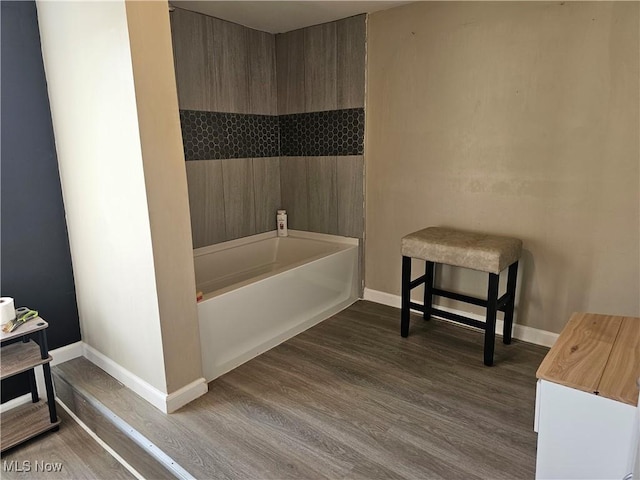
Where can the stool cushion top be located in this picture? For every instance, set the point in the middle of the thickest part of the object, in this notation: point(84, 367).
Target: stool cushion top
point(486, 253)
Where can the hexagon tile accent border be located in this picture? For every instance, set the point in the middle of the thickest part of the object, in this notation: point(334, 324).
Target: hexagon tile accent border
point(316, 134)
point(219, 135)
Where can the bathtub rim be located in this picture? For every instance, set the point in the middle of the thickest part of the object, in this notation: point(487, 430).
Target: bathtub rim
point(347, 242)
point(238, 242)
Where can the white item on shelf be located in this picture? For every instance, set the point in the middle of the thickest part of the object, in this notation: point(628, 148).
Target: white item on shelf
point(7, 310)
point(281, 219)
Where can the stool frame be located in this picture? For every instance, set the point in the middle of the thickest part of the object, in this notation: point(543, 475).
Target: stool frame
point(493, 304)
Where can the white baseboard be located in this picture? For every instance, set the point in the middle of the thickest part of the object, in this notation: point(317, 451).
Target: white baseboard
point(15, 402)
point(147, 391)
point(166, 403)
point(186, 394)
point(521, 332)
point(66, 353)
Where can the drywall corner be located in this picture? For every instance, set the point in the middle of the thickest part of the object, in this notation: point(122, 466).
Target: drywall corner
point(166, 190)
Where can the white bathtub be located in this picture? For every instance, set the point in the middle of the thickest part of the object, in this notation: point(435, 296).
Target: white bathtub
point(261, 290)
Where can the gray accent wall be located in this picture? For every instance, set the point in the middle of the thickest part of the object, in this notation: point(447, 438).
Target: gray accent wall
point(224, 67)
point(36, 261)
point(322, 68)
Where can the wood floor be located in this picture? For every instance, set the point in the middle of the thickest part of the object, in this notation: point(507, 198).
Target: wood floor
point(68, 453)
point(350, 398)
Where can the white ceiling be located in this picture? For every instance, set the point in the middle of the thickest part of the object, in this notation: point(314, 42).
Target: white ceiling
point(283, 16)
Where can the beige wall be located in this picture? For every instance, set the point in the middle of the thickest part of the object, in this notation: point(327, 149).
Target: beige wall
point(101, 172)
point(512, 118)
point(166, 187)
point(114, 109)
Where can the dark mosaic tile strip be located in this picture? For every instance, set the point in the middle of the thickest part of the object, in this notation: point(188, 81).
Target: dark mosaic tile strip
point(217, 135)
point(333, 132)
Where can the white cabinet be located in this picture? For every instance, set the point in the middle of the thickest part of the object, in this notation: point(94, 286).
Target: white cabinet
point(582, 435)
point(587, 403)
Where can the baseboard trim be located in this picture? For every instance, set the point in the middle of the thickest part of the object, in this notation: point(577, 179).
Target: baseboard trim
point(147, 391)
point(521, 332)
point(167, 403)
point(15, 402)
point(186, 394)
point(66, 353)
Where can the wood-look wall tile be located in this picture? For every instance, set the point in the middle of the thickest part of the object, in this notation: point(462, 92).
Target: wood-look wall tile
point(294, 191)
point(351, 33)
point(266, 182)
point(320, 67)
point(290, 72)
point(188, 32)
point(206, 202)
point(239, 198)
point(361, 267)
point(350, 171)
point(227, 66)
point(323, 198)
point(262, 72)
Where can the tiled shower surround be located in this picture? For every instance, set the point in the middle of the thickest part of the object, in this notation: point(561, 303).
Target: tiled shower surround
point(218, 135)
point(269, 122)
point(332, 132)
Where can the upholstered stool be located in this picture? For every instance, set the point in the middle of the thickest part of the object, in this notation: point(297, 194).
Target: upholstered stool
point(486, 253)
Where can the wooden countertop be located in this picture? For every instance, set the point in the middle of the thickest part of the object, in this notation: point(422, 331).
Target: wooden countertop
point(598, 354)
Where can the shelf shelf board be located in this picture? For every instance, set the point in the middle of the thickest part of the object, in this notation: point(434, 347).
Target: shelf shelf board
point(20, 357)
point(28, 328)
point(24, 422)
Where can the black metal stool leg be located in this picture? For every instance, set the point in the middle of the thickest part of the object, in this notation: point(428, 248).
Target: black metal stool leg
point(48, 384)
point(406, 296)
point(428, 289)
point(33, 386)
point(490, 327)
point(31, 376)
point(508, 312)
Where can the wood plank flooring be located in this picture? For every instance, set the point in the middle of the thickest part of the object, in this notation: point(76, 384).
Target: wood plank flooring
point(350, 398)
point(78, 455)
